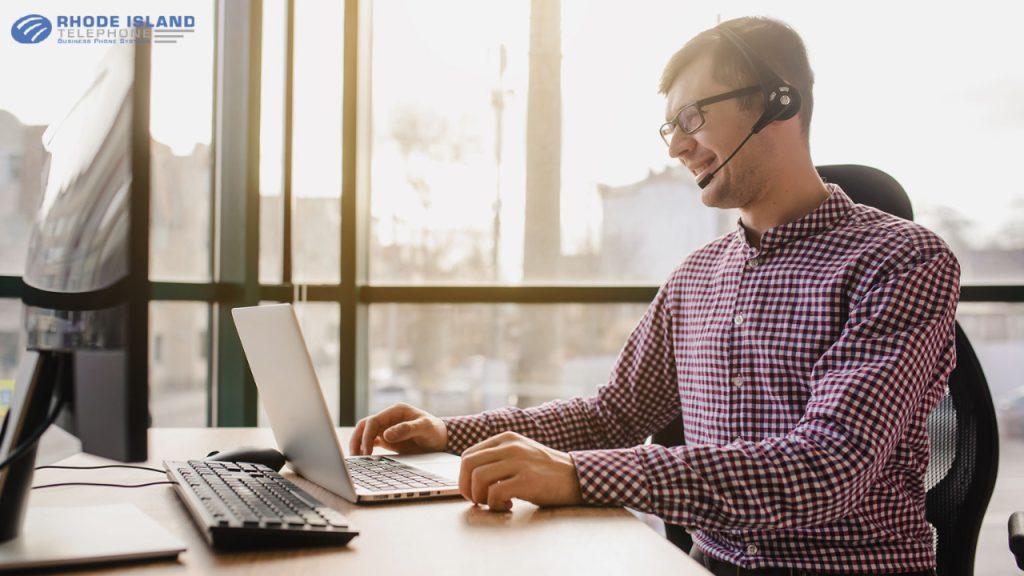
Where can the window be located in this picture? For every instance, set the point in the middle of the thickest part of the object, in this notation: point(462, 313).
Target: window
point(178, 372)
point(885, 105)
point(465, 358)
point(316, 142)
point(996, 332)
point(181, 174)
point(272, 136)
point(21, 159)
point(12, 345)
point(456, 194)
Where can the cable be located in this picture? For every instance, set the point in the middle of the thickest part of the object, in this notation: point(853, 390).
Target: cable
point(37, 433)
point(102, 484)
point(98, 467)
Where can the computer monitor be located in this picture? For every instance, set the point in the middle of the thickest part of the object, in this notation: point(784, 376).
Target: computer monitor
point(86, 283)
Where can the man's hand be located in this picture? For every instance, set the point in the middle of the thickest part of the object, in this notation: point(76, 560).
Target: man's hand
point(510, 465)
point(399, 427)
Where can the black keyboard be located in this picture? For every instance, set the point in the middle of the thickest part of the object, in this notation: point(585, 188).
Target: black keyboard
point(238, 505)
point(382, 474)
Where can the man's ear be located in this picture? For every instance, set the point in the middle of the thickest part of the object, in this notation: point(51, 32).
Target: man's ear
point(789, 129)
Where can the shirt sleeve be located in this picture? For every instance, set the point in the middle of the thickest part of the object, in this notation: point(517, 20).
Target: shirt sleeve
point(896, 351)
point(640, 396)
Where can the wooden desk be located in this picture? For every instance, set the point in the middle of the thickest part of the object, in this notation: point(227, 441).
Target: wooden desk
point(448, 536)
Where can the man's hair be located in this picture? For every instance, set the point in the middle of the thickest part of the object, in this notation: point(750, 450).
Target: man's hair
point(774, 42)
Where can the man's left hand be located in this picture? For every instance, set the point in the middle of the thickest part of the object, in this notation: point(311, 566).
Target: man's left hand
point(510, 465)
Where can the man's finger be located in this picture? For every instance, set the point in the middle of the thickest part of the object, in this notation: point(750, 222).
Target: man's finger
point(404, 430)
point(484, 477)
point(356, 438)
point(495, 440)
point(500, 495)
point(369, 433)
point(380, 421)
point(471, 462)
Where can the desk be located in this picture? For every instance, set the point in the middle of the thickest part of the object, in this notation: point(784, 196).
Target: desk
point(448, 536)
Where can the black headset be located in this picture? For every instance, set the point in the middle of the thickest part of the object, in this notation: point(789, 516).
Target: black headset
point(781, 100)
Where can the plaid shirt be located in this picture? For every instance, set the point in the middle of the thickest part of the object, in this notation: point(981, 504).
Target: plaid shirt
point(804, 371)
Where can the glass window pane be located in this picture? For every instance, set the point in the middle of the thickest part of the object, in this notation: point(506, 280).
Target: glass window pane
point(316, 142)
point(960, 175)
point(321, 329)
point(464, 358)
point(996, 332)
point(181, 124)
point(179, 363)
point(12, 346)
point(455, 194)
point(272, 88)
point(21, 164)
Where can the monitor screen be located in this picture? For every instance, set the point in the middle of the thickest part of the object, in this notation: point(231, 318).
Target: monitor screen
point(86, 280)
point(80, 239)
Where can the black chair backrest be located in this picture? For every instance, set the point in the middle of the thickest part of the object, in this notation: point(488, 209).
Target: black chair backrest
point(962, 429)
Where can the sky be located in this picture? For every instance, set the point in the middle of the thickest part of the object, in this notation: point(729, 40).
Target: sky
point(933, 99)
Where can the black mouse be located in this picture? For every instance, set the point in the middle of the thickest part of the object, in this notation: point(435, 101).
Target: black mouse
point(266, 456)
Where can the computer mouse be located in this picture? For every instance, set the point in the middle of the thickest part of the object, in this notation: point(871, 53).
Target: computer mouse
point(267, 456)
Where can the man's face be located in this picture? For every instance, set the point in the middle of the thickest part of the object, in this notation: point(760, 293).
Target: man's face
point(725, 126)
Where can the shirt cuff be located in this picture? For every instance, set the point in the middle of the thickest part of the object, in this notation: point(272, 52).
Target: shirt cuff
point(612, 478)
point(465, 431)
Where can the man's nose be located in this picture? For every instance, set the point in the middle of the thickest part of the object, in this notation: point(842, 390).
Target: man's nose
point(680, 144)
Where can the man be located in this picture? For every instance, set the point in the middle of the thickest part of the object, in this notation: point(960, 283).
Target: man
point(803, 352)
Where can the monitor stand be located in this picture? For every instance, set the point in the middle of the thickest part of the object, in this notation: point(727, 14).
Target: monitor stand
point(61, 536)
point(74, 536)
point(41, 373)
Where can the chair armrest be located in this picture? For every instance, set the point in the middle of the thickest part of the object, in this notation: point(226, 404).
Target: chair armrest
point(1017, 537)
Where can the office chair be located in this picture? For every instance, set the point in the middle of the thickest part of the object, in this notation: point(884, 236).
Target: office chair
point(1017, 537)
point(962, 428)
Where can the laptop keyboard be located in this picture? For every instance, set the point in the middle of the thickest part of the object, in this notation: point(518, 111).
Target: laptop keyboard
point(381, 474)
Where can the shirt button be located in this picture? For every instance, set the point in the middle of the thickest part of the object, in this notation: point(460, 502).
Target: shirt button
point(737, 319)
point(737, 382)
point(753, 262)
point(751, 549)
point(737, 439)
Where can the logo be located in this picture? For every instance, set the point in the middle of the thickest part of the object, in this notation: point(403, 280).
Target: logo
point(31, 29)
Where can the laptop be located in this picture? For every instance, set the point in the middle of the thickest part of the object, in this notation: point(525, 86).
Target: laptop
point(302, 426)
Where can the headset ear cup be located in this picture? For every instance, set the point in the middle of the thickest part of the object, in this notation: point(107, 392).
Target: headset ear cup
point(789, 110)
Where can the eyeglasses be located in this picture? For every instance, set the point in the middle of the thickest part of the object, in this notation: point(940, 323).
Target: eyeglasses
point(690, 117)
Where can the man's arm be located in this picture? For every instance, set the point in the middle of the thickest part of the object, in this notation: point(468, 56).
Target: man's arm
point(897, 343)
point(640, 396)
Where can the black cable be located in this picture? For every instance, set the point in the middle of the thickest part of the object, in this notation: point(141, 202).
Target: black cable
point(103, 466)
point(37, 433)
point(102, 484)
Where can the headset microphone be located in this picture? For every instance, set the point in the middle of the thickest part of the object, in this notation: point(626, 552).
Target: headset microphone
point(757, 128)
point(781, 101)
point(707, 179)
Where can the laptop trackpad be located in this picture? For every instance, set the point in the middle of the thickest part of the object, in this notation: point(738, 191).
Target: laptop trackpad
point(439, 463)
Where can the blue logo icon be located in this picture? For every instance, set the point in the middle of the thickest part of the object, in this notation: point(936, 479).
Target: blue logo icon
point(31, 29)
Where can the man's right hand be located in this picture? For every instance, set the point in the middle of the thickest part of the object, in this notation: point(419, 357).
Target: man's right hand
point(399, 427)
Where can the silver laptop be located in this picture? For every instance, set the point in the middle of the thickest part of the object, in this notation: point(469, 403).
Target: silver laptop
point(295, 405)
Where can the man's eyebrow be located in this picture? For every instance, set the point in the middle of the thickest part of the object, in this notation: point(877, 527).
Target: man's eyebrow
point(680, 107)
